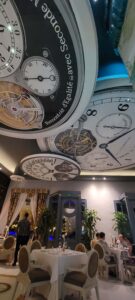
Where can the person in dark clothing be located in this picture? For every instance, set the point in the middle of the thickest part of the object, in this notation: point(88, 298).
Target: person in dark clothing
point(23, 235)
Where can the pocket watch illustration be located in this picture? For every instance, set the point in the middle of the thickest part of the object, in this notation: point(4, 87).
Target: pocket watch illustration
point(71, 142)
point(113, 124)
point(50, 167)
point(45, 57)
point(110, 119)
point(11, 38)
point(18, 108)
point(40, 76)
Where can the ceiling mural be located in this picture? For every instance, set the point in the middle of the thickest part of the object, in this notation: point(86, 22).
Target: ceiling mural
point(103, 138)
point(78, 104)
point(42, 65)
point(17, 178)
point(19, 109)
point(50, 167)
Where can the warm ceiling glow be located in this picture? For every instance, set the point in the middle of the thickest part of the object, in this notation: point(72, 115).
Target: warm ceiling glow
point(7, 161)
point(109, 173)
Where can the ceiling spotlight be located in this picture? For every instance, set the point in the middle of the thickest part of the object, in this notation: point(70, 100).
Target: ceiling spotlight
point(104, 178)
point(93, 178)
point(0, 168)
point(9, 27)
point(12, 50)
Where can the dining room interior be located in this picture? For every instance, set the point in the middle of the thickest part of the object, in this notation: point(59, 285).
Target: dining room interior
point(67, 149)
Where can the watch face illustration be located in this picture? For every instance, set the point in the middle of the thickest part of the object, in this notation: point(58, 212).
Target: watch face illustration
point(41, 50)
point(70, 142)
point(11, 38)
point(113, 125)
point(110, 118)
point(64, 167)
point(18, 108)
point(18, 178)
point(50, 167)
point(40, 76)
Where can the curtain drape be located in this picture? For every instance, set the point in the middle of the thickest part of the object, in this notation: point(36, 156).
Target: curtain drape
point(14, 202)
point(41, 203)
point(4, 214)
point(33, 206)
point(20, 203)
point(12, 208)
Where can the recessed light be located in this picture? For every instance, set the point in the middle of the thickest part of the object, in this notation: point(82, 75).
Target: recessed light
point(9, 27)
point(104, 178)
point(12, 50)
point(93, 178)
point(0, 168)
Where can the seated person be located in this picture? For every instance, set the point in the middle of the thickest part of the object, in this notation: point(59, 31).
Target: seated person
point(109, 256)
point(94, 241)
point(123, 242)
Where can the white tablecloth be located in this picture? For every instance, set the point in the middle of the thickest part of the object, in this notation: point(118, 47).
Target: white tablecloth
point(118, 252)
point(57, 262)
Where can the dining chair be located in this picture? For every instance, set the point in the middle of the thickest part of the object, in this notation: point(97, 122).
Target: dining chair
point(37, 276)
point(83, 281)
point(129, 265)
point(9, 243)
point(35, 245)
point(6, 251)
point(104, 265)
point(80, 247)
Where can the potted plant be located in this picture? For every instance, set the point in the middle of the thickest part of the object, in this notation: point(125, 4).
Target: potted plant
point(121, 223)
point(90, 218)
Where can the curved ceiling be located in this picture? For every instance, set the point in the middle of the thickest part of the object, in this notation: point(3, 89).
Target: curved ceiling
point(27, 113)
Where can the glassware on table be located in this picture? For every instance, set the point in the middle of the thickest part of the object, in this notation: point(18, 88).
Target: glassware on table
point(66, 244)
point(60, 244)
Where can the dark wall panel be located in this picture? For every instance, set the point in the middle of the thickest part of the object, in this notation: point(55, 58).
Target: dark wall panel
point(4, 183)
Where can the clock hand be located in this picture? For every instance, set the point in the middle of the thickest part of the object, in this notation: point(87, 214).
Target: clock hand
point(105, 147)
point(118, 137)
point(110, 153)
point(40, 78)
point(117, 127)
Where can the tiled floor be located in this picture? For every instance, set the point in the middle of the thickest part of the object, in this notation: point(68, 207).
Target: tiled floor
point(109, 290)
point(115, 291)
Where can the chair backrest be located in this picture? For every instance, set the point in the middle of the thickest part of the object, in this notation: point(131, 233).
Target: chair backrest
point(99, 250)
point(9, 243)
point(24, 259)
point(92, 263)
point(80, 247)
point(35, 245)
